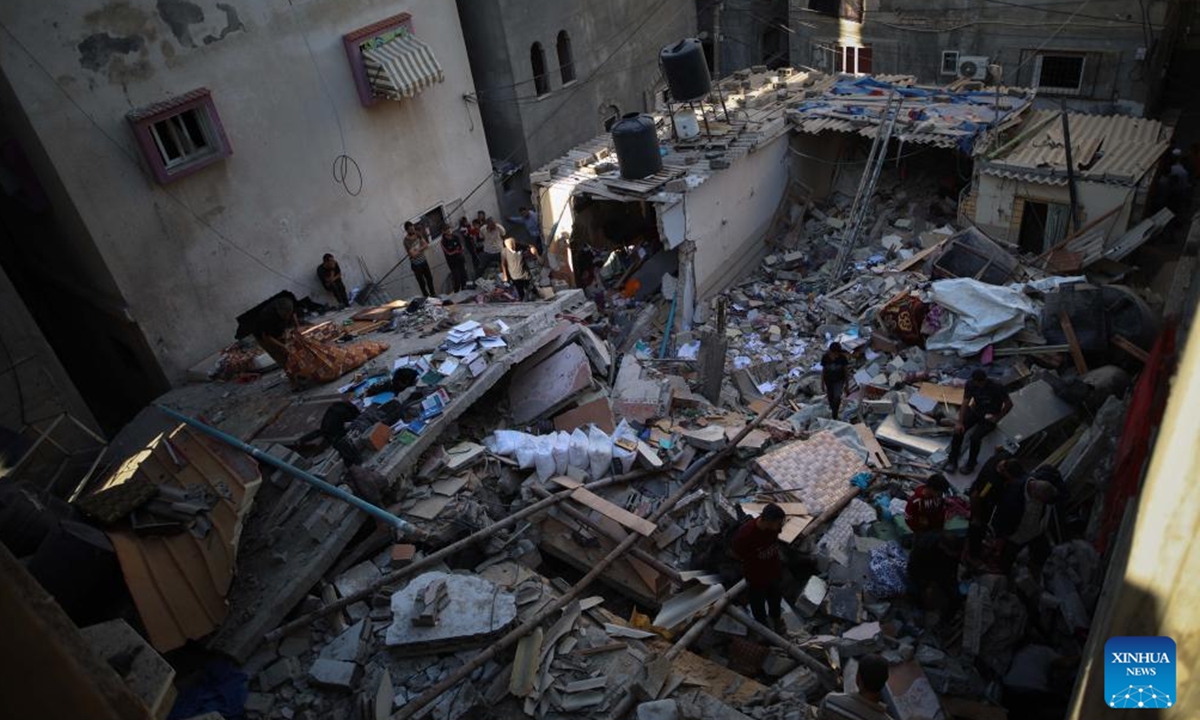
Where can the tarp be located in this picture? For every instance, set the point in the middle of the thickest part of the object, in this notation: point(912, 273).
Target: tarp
point(981, 314)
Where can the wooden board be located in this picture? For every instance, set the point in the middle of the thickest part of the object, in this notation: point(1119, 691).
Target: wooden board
point(794, 527)
point(1124, 343)
point(875, 454)
point(611, 510)
point(943, 393)
point(1073, 342)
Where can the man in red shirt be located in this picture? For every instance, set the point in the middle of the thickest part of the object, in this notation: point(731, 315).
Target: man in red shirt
point(926, 509)
point(756, 545)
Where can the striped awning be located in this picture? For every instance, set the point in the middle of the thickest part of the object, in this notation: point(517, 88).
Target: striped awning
point(401, 68)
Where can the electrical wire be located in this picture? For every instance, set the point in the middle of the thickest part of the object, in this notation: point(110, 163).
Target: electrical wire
point(12, 366)
point(342, 163)
point(138, 165)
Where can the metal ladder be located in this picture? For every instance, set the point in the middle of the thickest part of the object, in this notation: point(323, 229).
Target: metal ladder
point(866, 184)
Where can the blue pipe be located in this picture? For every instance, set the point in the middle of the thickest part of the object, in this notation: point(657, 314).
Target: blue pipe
point(403, 525)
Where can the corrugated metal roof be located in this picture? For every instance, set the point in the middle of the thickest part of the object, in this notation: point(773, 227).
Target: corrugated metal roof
point(1114, 149)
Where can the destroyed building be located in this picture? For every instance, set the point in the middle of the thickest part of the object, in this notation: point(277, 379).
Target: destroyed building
point(482, 505)
point(1107, 56)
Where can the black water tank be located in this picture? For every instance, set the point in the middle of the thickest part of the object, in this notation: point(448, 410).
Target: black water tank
point(686, 70)
point(636, 142)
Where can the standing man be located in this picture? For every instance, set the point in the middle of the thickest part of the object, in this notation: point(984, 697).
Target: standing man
point(512, 268)
point(756, 545)
point(985, 402)
point(452, 248)
point(330, 275)
point(994, 478)
point(926, 509)
point(415, 246)
point(493, 241)
point(469, 235)
point(867, 703)
point(834, 367)
point(533, 226)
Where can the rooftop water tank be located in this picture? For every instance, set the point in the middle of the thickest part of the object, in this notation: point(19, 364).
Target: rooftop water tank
point(636, 142)
point(686, 70)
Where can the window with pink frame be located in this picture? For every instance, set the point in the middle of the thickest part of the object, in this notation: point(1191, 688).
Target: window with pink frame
point(181, 135)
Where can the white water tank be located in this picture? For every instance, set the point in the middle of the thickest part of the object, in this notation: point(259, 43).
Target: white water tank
point(686, 125)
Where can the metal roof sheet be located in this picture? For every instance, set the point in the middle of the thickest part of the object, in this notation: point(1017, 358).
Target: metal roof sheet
point(1116, 149)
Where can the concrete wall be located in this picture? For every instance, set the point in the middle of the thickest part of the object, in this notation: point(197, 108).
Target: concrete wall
point(730, 212)
point(909, 38)
point(536, 129)
point(753, 32)
point(188, 257)
point(999, 206)
point(33, 384)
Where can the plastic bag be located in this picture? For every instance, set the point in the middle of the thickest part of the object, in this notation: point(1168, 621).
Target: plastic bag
point(503, 442)
point(599, 453)
point(624, 457)
point(578, 451)
point(526, 450)
point(543, 458)
point(562, 452)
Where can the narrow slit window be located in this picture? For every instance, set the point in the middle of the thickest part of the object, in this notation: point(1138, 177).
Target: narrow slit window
point(537, 58)
point(566, 65)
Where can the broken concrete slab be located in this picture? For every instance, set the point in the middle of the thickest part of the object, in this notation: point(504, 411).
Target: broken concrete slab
point(544, 388)
point(477, 609)
point(333, 673)
point(357, 578)
point(279, 672)
point(596, 412)
point(812, 596)
point(636, 398)
point(149, 676)
point(347, 645)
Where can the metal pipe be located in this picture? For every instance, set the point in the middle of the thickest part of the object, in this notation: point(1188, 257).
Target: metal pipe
point(436, 557)
point(692, 476)
point(327, 488)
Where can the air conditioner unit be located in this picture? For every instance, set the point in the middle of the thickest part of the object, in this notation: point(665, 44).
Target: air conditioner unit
point(972, 66)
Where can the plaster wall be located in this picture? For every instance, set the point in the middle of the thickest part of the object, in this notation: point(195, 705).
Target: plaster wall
point(187, 257)
point(614, 46)
point(727, 215)
point(1122, 72)
point(1000, 203)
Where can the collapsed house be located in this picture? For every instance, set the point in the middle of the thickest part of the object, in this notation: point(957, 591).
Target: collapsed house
point(537, 524)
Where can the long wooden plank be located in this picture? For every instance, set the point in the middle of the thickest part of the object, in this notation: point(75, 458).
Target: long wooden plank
point(611, 510)
point(1124, 343)
point(875, 453)
point(1073, 342)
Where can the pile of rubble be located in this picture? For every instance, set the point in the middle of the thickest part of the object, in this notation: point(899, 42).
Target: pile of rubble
point(512, 454)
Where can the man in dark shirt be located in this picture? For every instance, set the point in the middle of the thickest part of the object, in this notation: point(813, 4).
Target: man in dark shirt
point(984, 403)
point(330, 275)
point(756, 545)
point(985, 493)
point(452, 248)
point(834, 364)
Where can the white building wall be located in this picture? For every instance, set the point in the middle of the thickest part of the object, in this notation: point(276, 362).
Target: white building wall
point(730, 212)
point(188, 257)
point(997, 203)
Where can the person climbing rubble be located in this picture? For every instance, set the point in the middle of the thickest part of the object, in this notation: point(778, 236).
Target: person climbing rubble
point(867, 702)
point(834, 365)
point(756, 545)
point(985, 403)
point(1026, 513)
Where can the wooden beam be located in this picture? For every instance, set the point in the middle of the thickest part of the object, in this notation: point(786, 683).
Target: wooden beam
point(1125, 344)
point(1072, 342)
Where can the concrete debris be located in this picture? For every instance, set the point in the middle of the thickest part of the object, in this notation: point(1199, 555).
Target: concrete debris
point(523, 443)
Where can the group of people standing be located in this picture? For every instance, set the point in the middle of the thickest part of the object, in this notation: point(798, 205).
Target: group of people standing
point(483, 240)
point(487, 244)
